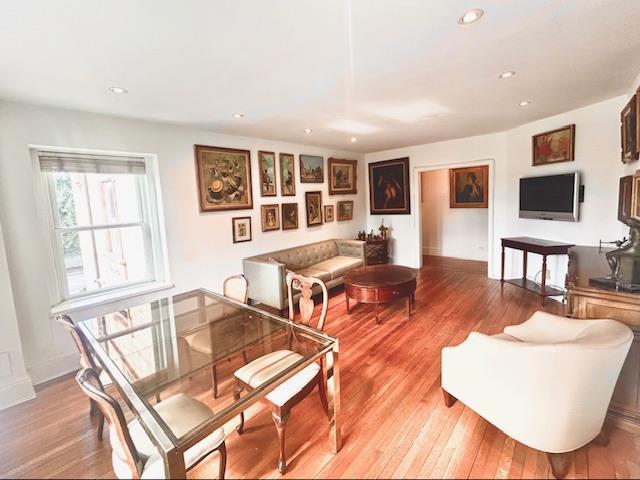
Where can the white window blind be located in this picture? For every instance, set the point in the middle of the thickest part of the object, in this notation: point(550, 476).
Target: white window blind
point(84, 163)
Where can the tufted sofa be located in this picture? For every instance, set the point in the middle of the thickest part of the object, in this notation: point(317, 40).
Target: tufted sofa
point(328, 260)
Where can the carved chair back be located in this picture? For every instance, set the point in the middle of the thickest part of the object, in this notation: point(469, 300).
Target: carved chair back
point(236, 288)
point(91, 386)
point(304, 285)
point(86, 358)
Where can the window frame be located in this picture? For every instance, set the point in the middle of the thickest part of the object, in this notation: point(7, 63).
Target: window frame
point(151, 221)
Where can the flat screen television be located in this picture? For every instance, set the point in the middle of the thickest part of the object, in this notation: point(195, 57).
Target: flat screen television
point(553, 197)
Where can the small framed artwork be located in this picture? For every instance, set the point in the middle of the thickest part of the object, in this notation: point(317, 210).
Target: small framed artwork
point(241, 229)
point(267, 167)
point(313, 204)
point(328, 213)
point(342, 176)
point(287, 175)
point(345, 210)
point(554, 146)
point(224, 178)
point(469, 187)
point(270, 215)
point(311, 169)
point(389, 187)
point(289, 216)
point(628, 127)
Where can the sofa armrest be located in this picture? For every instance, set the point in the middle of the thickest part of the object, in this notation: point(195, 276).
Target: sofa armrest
point(266, 282)
point(351, 248)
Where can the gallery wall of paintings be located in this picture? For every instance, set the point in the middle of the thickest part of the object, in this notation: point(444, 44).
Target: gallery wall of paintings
point(225, 183)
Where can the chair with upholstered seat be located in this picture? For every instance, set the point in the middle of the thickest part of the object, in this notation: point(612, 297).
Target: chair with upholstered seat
point(235, 288)
point(546, 383)
point(287, 395)
point(133, 453)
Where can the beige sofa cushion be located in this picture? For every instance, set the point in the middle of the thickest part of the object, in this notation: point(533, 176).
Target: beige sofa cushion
point(338, 266)
point(314, 272)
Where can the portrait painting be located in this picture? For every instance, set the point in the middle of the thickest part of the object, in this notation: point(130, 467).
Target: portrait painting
point(389, 187)
point(554, 146)
point(287, 175)
point(270, 215)
point(345, 210)
point(267, 167)
point(628, 131)
point(311, 169)
point(328, 213)
point(313, 203)
point(342, 176)
point(224, 178)
point(241, 229)
point(289, 216)
point(469, 187)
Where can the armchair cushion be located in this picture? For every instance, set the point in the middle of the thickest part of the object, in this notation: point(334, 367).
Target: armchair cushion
point(337, 266)
point(316, 273)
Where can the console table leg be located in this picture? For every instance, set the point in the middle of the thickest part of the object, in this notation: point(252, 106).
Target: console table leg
point(502, 269)
point(543, 283)
point(524, 266)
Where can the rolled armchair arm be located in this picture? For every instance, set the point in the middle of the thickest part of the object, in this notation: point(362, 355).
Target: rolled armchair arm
point(546, 327)
point(266, 281)
point(351, 248)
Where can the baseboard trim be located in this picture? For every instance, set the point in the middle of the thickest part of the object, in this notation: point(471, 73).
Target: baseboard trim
point(55, 367)
point(16, 392)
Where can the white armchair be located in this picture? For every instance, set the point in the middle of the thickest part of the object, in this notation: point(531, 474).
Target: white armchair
point(546, 383)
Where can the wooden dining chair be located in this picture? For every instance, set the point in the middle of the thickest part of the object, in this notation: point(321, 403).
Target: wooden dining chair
point(134, 454)
point(235, 288)
point(287, 395)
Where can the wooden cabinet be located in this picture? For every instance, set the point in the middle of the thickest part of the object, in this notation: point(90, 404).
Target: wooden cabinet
point(376, 251)
point(586, 301)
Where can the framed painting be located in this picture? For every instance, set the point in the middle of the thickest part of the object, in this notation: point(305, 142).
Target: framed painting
point(342, 176)
point(313, 204)
point(469, 187)
point(389, 187)
point(554, 146)
point(311, 169)
point(224, 178)
point(345, 210)
point(241, 229)
point(628, 131)
point(287, 175)
point(270, 216)
point(267, 167)
point(289, 216)
point(328, 213)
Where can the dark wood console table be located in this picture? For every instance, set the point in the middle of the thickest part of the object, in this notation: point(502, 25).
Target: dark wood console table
point(541, 247)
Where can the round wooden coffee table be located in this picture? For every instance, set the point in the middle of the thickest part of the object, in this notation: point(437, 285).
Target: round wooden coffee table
point(380, 284)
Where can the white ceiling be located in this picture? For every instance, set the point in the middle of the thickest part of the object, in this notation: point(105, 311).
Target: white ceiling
point(389, 72)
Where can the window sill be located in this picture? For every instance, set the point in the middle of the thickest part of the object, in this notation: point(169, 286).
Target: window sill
point(71, 306)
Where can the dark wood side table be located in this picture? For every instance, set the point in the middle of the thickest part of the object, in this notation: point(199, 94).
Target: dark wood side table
point(380, 284)
point(591, 301)
point(541, 247)
point(376, 251)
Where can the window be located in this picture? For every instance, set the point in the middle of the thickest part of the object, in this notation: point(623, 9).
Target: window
point(104, 222)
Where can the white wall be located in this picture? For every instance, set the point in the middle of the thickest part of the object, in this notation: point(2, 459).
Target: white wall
point(450, 232)
point(597, 157)
point(200, 248)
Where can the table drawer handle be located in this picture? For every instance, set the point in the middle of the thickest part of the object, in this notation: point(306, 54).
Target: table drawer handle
point(396, 292)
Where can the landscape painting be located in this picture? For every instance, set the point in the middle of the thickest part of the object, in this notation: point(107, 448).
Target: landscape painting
point(342, 176)
point(311, 169)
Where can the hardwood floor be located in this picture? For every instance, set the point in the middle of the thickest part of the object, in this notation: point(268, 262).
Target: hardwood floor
point(395, 423)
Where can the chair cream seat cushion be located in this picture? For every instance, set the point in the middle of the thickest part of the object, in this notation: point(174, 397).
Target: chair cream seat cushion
point(314, 272)
point(182, 414)
point(264, 368)
point(337, 266)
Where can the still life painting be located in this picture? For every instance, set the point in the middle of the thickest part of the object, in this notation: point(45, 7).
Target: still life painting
point(289, 216)
point(287, 175)
point(342, 176)
point(468, 187)
point(267, 167)
point(554, 146)
point(389, 187)
point(311, 169)
point(224, 178)
point(313, 201)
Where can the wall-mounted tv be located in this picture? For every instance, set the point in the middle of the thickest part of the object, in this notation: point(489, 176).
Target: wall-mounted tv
point(553, 197)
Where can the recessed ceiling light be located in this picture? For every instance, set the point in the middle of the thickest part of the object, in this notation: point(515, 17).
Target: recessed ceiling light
point(508, 74)
point(118, 90)
point(307, 131)
point(524, 103)
point(353, 139)
point(471, 16)
point(238, 115)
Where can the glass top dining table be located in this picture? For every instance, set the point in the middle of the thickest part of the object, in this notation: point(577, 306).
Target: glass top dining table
point(160, 347)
